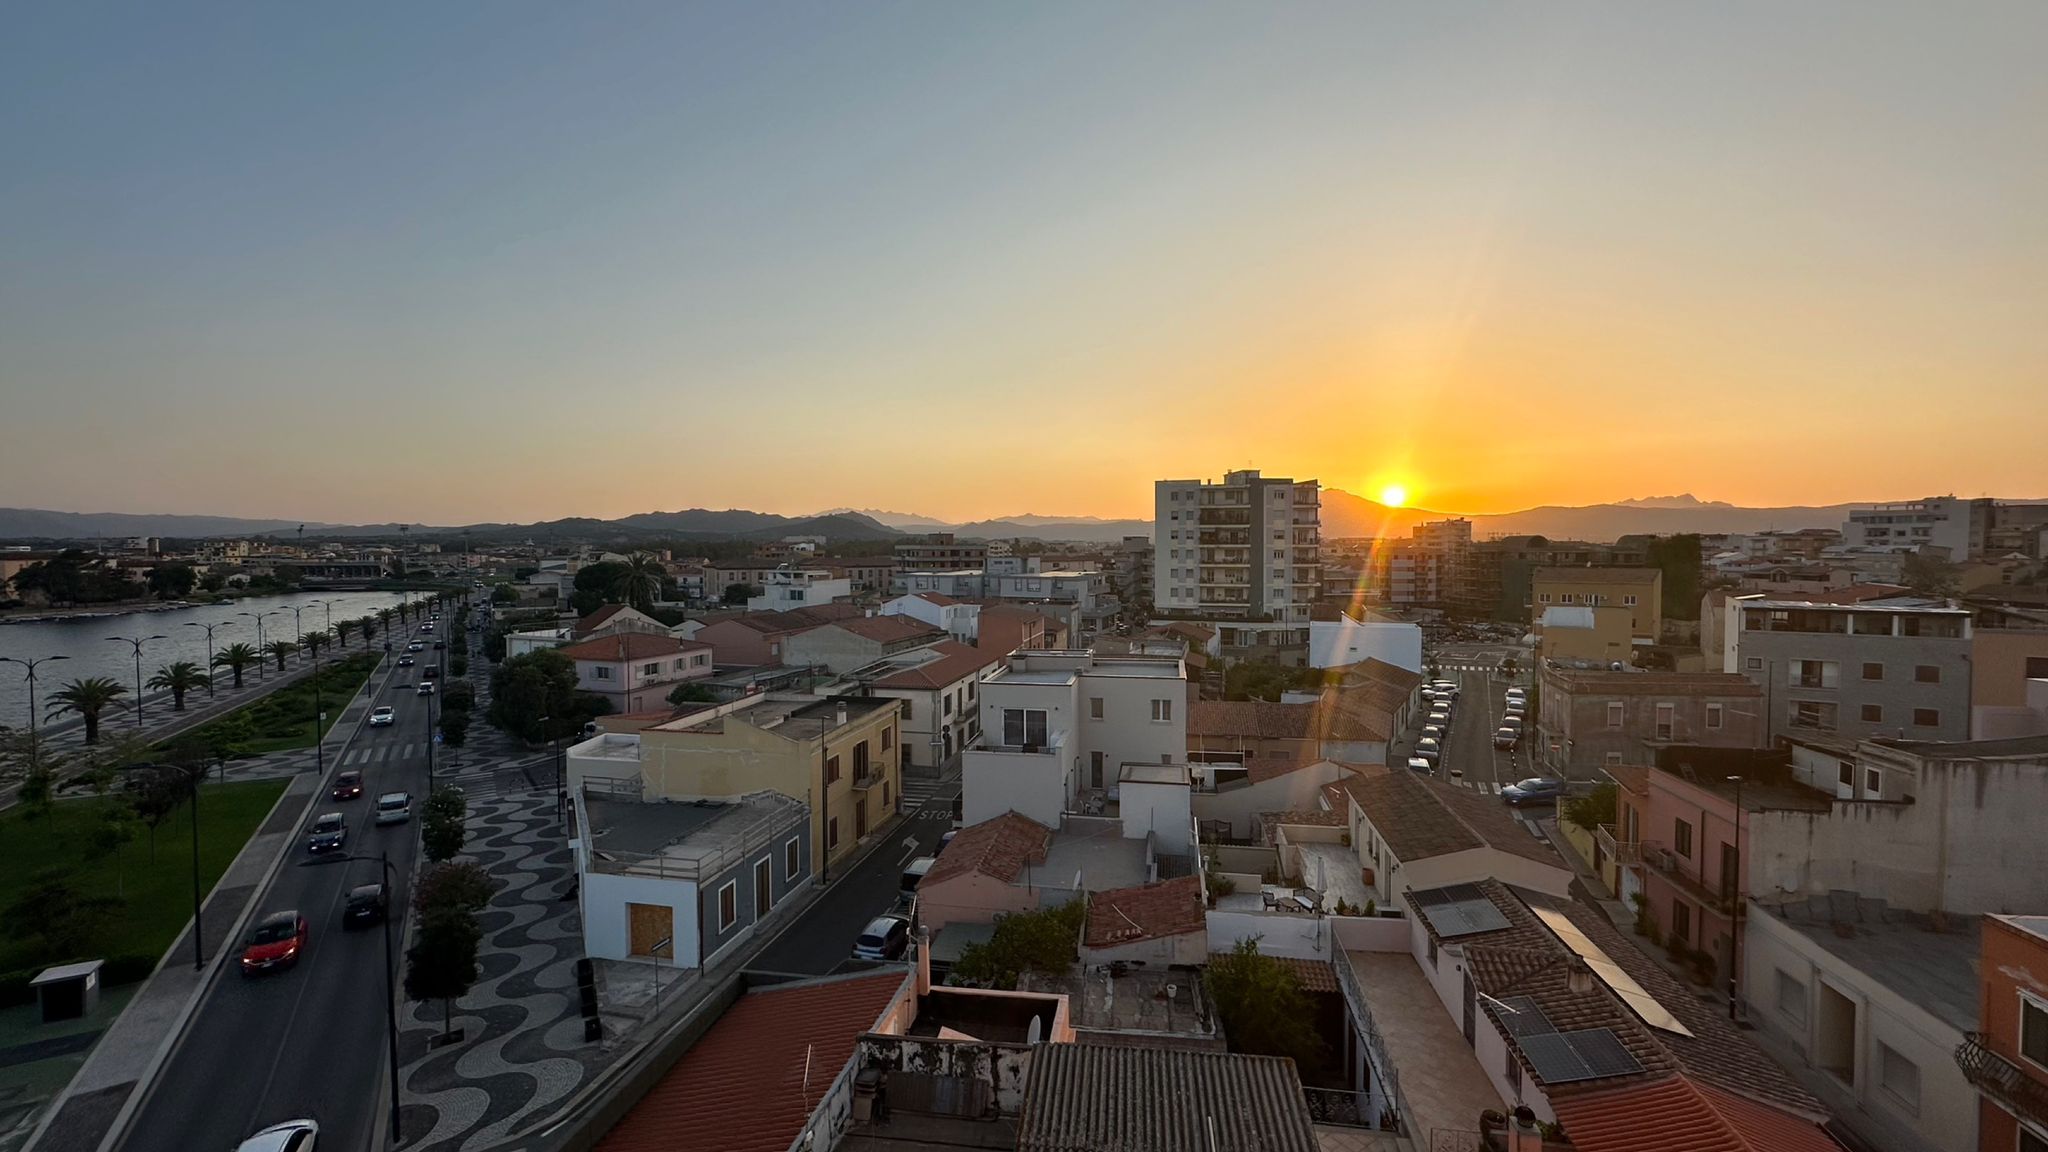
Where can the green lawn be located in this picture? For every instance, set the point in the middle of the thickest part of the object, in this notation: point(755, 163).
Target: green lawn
point(156, 898)
point(283, 720)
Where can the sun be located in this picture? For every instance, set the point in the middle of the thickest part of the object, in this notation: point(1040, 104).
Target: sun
point(1393, 496)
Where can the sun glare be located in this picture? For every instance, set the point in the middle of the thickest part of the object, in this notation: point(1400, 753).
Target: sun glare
point(1393, 496)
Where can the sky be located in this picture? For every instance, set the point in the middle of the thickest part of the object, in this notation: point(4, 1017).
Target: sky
point(461, 262)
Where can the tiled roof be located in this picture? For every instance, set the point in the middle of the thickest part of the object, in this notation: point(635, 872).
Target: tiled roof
point(1605, 575)
point(796, 619)
point(1631, 777)
point(888, 629)
point(1355, 714)
point(1685, 1117)
point(742, 1087)
point(630, 646)
point(1252, 719)
point(938, 598)
point(956, 662)
point(591, 622)
point(999, 848)
point(1420, 819)
point(1146, 912)
point(1312, 975)
point(1098, 1096)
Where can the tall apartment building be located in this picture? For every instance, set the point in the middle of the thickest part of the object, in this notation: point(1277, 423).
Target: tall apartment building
point(1249, 547)
point(1898, 667)
point(939, 552)
point(1909, 525)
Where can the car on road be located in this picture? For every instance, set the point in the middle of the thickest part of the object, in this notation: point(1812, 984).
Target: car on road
point(913, 875)
point(276, 941)
point(885, 938)
point(1534, 790)
point(405, 661)
point(415, 646)
point(1512, 721)
point(366, 905)
point(426, 688)
point(347, 786)
point(328, 834)
point(1433, 731)
point(394, 808)
point(438, 645)
point(383, 715)
point(290, 1136)
point(427, 627)
point(1430, 750)
point(430, 673)
point(1418, 764)
point(1505, 737)
point(1517, 695)
point(945, 840)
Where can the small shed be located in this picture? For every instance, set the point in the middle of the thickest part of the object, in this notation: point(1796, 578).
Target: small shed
point(68, 991)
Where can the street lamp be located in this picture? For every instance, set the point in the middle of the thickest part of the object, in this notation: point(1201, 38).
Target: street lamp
point(258, 617)
point(31, 666)
point(390, 980)
point(209, 649)
point(1735, 904)
point(137, 642)
point(555, 746)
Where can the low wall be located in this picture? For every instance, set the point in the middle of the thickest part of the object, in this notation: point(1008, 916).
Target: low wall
point(1231, 858)
point(1371, 933)
point(1280, 934)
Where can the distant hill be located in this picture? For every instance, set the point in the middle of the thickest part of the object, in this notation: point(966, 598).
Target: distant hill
point(1088, 531)
point(902, 521)
point(1347, 515)
point(690, 524)
point(38, 524)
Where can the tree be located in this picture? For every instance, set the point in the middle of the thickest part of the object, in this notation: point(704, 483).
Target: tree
point(528, 687)
point(739, 593)
point(1266, 680)
point(1509, 667)
point(88, 697)
point(505, 594)
point(384, 615)
point(404, 611)
point(1262, 1007)
point(641, 581)
point(1929, 575)
point(1592, 810)
point(53, 911)
point(1043, 941)
point(690, 694)
point(341, 630)
point(313, 642)
point(442, 962)
point(454, 728)
point(279, 649)
point(236, 657)
point(494, 645)
point(178, 678)
point(171, 581)
point(459, 696)
point(368, 627)
point(154, 793)
point(461, 885)
point(442, 830)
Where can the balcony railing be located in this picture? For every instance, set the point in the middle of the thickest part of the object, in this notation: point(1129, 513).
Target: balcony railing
point(1625, 853)
point(864, 782)
point(2003, 1081)
point(1332, 1106)
point(1376, 1047)
point(1679, 871)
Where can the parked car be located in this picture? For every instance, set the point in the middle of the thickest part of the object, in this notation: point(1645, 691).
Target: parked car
point(913, 875)
point(1505, 737)
point(1430, 750)
point(1517, 694)
point(383, 716)
point(1433, 731)
point(328, 834)
point(1418, 764)
point(885, 938)
point(1511, 721)
point(276, 941)
point(290, 1136)
point(1534, 790)
point(367, 905)
point(347, 786)
point(394, 808)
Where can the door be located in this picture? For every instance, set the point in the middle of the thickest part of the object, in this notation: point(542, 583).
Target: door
point(860, 816)
point(650, 930)
point(764, 889)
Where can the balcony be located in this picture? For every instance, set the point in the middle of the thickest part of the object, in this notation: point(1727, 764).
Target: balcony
point(1340, 1108)
point(1627, 854)
point(1678, 871)
point(1225, 517)
point(867, 780)
point(2004, 1082)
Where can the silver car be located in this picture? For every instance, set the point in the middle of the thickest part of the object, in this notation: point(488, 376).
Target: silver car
point(394, 808)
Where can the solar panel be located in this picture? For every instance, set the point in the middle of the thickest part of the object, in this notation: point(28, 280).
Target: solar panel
point(1589, 1054)
point(1458, 910)
point(1619, 982)
point(1521, 1017)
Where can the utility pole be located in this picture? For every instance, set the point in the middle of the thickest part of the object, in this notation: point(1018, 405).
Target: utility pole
point(137, 642)
point(32, 718)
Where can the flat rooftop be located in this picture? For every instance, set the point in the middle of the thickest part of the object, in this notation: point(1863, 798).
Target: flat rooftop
point(682, 833)
point(793, 717)
point(1901, 950)
point(1039, 676)
point(1147, 773)
point(1441, 1082)
point(1090, 853)
point(2035, 926)
point(1137, 1001)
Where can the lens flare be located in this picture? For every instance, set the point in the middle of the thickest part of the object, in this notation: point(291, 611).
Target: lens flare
point(1393, 496)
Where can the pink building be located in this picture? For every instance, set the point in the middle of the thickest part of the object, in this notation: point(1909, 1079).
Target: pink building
point(637, 671)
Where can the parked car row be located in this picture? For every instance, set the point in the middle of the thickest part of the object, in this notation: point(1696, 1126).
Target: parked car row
point(1509, 734)
point(1440, 698)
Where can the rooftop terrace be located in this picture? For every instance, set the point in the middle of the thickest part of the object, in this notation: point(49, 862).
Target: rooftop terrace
point(1904, 951)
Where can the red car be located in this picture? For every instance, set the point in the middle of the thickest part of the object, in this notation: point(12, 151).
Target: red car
point(347, 786)
point(276, 941)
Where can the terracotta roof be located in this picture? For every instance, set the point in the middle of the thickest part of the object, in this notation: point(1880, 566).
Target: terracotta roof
point(999, 848)
point(1198, 634)
point(956, 662)
point(888, 629)
point(1685, 1117)
point(630, 646)
point(741, 1087)
point(1252, 719)
point(1146, 912)
point(1312, 975)
point(796, 619)
point(1353, 714)
point(939, 598)
point(1631, 777)
point(1101, 1096)
point(1311, 817)
point(1420, 819)
point(590, 622)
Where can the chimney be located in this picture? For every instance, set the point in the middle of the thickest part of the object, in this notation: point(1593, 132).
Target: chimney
point(842, 715)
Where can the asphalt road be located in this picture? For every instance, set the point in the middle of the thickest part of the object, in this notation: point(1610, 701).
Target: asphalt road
point(305, 1041)
point(821, 940)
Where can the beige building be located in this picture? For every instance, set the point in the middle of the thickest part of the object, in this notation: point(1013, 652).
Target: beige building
point(2002, 661)
point(1641, 590)
point(1578, 633)
point(838, 756)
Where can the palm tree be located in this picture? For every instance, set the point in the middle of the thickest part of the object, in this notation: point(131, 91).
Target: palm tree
point(313, 642)
point(87, 697)
point(385, 614)
point(342, 628)
point(236, 657)
point(279, 649)
point(641, 580)
point(178, 679)
point(368, 626)
point(404, 611)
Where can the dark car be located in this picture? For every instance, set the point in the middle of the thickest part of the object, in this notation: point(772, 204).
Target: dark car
point(438, 645)
point(405, 661)
point(430, 673)
point(885, 938)
point(367, 905)
point(1534, 790)
point(277, 941)
point(347, 786)
point(329, 832)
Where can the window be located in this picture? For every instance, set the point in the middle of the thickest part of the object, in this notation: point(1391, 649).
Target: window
point(1813, 673)
point(1714, 717)
point(2034, 1029)
point(1095, 707)
point(792, 855)
point(1754, 664)
point(1926, 717)
point(2028, 1141)
point(832, 833)
point(1926, 674)
point(1566, 597)
point(888, 738)
point(1681, 838)
point(1162, 710)
point(1664, 720)
point(2037, 667)
point(831, 769)
point(601, 672)
point(970, 691)
point(1615, 712)
point(1813, 714)
point(946, 705)
point(1628, 601)
point(1681, 919)
point(1872, 670)
point(1899, 1077)
point(860, 760)
point(653, 669)
point(728, 904)
point(1543, 598)
point(1873, 783)
point(1872, 713)
point(1791, 997)
point(1613, 758)
point(1024, 726)
point(1514, 1072)
point(1847, 776)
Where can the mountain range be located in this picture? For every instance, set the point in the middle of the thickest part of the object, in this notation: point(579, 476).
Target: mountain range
point(1343, 515)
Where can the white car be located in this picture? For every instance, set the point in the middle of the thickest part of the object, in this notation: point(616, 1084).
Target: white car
point(290, 1136)
point(383, 716)
point(394, 808)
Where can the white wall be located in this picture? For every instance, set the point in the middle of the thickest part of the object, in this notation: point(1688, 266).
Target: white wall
point(1127, 732)
point(604, 897)
point(1297, 791)
point(1335, 643)
point(1279, 933)
point(1489, 1048)
point(1161, 810)
point(992, 783)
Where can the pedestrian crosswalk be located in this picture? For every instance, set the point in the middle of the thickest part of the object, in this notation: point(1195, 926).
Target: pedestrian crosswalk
point(918, 789)
point(384, 753)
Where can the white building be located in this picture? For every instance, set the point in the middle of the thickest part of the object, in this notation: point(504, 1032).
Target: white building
point(787, 588)
point(1344, 641)
point(940, 686)
point(1247, 547)
point(1057, 725)
point(959, 619)
point(1907, 526)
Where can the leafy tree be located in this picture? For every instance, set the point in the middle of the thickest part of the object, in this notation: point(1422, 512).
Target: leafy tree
point(1929, 575)
point(236, 657)
point(341, 630)
point(505, 594)
point(88, 697)
point(690, 694)
point(313, 642)
point(116, 828)
point(1591, 810)
point(279, 649)
point(368, 627)
point(1262, 1007)
point(463, 886)
point(739, 593)
point(459, 696)
point(178, 678)
point(171, 581)
point(442, 962)
point(213, 581)
point(494, 645)
point(454, 728)
point(404, 611)
point(154, 793)
point(641, 580)
point(38, 792)
point(442, 830)
point(1265, 680)
point(74, 576)
point(1043, 941)
point(458, 665)
point(536, 684)
point(384, 615)
point(54, 912)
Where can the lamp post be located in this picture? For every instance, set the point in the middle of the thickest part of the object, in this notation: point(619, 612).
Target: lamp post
point(137, 642)
point(390, 977)
point(209, 649)
point(31, 666)
point(1735, 904)
point(432, 696)
point(258, 617)
point(555, 746)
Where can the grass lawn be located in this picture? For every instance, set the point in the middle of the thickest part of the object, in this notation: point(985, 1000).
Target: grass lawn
point(156, 898)
point(283, 720)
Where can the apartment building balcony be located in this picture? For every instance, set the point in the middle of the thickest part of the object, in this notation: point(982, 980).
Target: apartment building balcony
point(2004, 1082)
point(1225, 537)
point(1627, 853)
point(1216, 578)
point(1225, 517)
point(1239, 599)
point(1679, 873)
point(1235, 557)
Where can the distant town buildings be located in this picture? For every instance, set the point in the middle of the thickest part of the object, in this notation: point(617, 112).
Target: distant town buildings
point(1249, 547)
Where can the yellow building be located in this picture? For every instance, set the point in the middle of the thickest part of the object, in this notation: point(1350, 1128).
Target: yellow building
point(1640, 590)
point(841, 757)
point(1578, 633)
